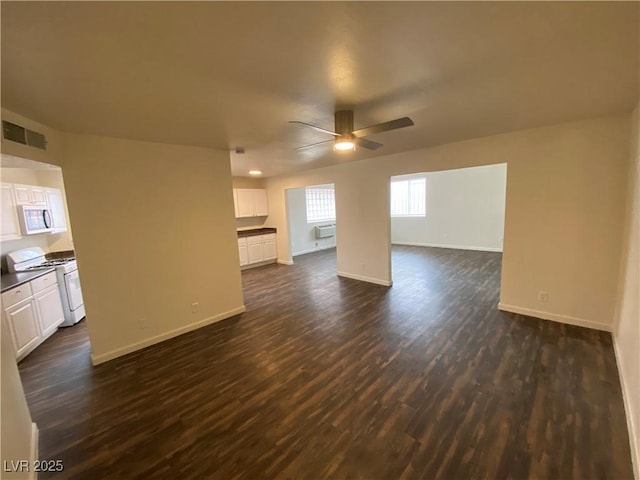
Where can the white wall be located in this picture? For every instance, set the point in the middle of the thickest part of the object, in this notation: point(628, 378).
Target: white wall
point(303, 237)
point(154, 232)
point(627, 332)
point(563, 220)
point(17, 441)
point(464, 209)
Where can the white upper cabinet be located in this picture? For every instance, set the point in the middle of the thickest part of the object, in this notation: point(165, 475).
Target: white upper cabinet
point(235, 201)
point(23, 194)
point(250, 202)
point(56, 204)
point(29, 195)
point(260, 205)
point(10, 229)
point(14, 195)
point(38, 196)
point(245, 203)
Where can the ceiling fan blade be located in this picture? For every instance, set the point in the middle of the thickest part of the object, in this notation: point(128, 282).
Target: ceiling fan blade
point(363, 142)
point(317, 128)
point(384, 127)
point(312, 145)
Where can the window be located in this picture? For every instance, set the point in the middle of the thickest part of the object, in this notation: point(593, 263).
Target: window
point(321, 203)
point(408, 197)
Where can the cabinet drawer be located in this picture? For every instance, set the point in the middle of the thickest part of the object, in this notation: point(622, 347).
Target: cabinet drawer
point(242, 242)
point(254, 239)
point(43, 282)
point(16, 295)
point(269, 237)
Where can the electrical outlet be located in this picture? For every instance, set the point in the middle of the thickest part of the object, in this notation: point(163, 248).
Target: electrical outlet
point(195, 307)
point(143, 324)
point(363, 267)
point(543, 296)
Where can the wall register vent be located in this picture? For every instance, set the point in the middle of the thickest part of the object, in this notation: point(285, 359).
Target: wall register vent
point(19, 134)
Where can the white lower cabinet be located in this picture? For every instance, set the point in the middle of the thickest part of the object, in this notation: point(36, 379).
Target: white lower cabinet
point(23, 325)
point(242, 250)
point(33, 312)
point(49, 310)
point(254, 251)
point(257, 249)
point(269, 251)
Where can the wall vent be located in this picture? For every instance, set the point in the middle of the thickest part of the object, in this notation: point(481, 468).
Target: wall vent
point(19, 134)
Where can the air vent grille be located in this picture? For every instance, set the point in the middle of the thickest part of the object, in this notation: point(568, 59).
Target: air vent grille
point(19, 134)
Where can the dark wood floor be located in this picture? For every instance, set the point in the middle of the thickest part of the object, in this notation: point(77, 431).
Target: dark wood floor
point(326, 377)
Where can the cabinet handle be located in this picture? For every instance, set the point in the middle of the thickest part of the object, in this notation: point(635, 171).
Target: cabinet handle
point(17, 291)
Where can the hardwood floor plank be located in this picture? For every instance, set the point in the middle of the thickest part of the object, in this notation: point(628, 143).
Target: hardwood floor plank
point(328, 377)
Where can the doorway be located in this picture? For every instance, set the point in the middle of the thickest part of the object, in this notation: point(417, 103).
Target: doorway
point(311, 219)
point(447, 221)
point(49, 296)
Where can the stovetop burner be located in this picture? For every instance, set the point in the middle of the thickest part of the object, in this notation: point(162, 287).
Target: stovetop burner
point(51, 263)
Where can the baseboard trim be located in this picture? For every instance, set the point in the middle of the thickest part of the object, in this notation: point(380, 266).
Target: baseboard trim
point(33, 449)
point(442, 245)
point(257, 264)
point(634, 443)
point(311, 250)
point(105, 357)
point(554, 317)
point(285, 262)
point(362, 278)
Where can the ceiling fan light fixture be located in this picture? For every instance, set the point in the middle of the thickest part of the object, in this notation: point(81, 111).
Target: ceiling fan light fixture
point(346, 137)
point(344, 143)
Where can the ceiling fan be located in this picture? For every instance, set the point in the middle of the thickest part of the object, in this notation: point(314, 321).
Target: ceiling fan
point(346, 138)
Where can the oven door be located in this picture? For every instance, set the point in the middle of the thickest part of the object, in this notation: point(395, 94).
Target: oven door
point(74, 293)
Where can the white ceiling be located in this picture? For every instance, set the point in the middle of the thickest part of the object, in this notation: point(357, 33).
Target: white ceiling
point(232, 74)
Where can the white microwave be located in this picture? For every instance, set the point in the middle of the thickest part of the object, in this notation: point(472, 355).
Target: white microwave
point(34, 219)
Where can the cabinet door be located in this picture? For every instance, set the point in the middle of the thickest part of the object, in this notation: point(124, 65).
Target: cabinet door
point(56, 204)
point(38, 196)
point(254, 252)
point(245, 203)
point(235, 202)
point(23, 194)
point(24, 327)
point(269, 251)
point(49, 308)
point(244, 254)
point(260, 205)
point(10, 228)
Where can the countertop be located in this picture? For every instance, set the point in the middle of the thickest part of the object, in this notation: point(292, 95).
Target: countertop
point(255, 231)
point(12, 280)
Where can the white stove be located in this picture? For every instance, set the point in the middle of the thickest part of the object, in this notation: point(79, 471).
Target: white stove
point(29, 259)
